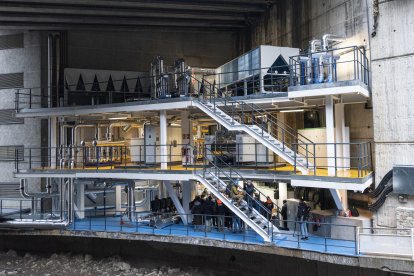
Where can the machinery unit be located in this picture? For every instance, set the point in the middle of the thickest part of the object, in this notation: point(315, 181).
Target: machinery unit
point(249, 150)
point(261, 70)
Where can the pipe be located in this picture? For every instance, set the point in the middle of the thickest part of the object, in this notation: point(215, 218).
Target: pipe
point(326, 38)
point(314, 46)
point(81, 126)
point(45, 224)
point(120, 124)
point(25, 194)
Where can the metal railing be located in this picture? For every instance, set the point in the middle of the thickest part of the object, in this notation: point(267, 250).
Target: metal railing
point(333, 65)
point(188, 158)
point(390, 242)
point(226, 227)
point(251, 114)
point(340, 64)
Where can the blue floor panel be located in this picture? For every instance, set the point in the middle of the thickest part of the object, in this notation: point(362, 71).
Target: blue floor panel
point(285, 239)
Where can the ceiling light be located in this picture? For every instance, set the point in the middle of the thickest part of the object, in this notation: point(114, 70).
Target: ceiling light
point(292, 110)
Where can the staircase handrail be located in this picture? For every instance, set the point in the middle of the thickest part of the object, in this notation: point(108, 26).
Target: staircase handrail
point(284, 127)
point(232, 169)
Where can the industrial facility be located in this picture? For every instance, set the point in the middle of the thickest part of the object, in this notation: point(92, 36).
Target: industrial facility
point(279, 131)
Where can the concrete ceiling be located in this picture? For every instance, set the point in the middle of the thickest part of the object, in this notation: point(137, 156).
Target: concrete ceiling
point(130, 14)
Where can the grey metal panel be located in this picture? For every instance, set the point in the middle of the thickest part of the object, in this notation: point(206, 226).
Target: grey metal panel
point(403, 180)
point(13, 41)
point(7, 117)
point(13, 80)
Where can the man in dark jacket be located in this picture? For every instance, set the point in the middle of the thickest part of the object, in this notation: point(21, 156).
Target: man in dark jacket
point(302, 216)
point(156, 205)
point(196, 210)
point(208, 211)
point(220, 212)
point(284, 215)
point(249, 189)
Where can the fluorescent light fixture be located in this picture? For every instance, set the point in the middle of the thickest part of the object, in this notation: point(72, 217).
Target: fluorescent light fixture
point(175, 124)
point(118, 118)
point(292, 110)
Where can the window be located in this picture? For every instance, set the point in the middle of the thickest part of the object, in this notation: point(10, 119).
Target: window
point(13, 80)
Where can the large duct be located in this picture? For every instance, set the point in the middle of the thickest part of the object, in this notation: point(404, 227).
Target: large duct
point(327, 38)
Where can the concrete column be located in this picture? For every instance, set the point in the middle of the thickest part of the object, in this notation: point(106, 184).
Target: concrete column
point(118, 199)
point(188, 194)
point(339, 134)
point(330, 134)
point(282, 193)
point(53, 141)
point(80, 200)
point(163, 140)
point(187, 138)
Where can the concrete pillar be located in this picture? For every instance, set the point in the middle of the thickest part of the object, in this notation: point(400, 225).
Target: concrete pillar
point(339, 134)
point(330, 134)
point(80, 200)
point(188, 194)
point(282, 193)
point(118, 199)
point(163, 140)
point(187, 138)
point(53, 141)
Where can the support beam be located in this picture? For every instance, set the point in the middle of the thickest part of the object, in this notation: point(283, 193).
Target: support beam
point(176, 201)
point(163, 140)
point(339, 134)
point(336, 194)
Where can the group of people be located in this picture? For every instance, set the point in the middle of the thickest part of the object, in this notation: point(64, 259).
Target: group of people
point(163, 205)
point(210, 212)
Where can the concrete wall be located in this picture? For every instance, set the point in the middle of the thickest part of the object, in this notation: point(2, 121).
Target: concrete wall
point(294, 23)
point(393, 101)
point(134, 51)
point(28, 61)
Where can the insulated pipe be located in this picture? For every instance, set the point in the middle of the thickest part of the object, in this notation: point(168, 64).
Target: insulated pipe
point(45, 224)
point(314, 46)
point(82, 126)
point(326, 38)
point(120, 124)
point(25, 194)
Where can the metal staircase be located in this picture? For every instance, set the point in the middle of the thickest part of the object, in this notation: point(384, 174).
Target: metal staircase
point(216, 178)
point(264, 127)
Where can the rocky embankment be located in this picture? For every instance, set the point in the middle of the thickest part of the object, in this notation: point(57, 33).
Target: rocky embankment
point(12, 263)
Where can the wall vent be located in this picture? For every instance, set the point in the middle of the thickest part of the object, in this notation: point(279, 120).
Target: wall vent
point(9, 153)
point(13, 41)
point(8, 117)
point(14, 80)
point(9, 190)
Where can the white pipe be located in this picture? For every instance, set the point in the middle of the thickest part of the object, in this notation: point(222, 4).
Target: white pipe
point(120, 124)
point(45, 224)
point(314, 46)
point(81, 126)
point(326, 38)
